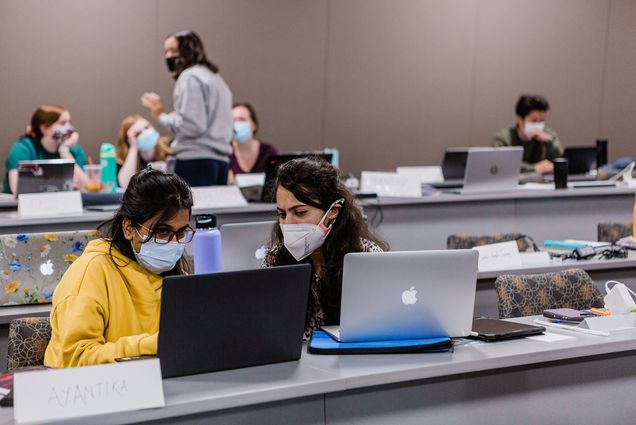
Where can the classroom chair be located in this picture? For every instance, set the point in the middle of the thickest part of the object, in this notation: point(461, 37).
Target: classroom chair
point(611, 232)
point(459, 241)
point(530, 294)
point(32, 264)
point(28, 339)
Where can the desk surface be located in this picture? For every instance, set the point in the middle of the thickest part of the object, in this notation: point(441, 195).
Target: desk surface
point(315, 374)
point(553, 266)
point(10, 219)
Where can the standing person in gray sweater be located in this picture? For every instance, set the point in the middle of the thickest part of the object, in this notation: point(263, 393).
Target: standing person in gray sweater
point(202, 118)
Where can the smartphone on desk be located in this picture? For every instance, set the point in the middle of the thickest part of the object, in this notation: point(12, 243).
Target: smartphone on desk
point(565, 314)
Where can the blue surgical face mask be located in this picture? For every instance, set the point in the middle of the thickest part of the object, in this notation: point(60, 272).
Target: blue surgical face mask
point(158, 257)
point(147, 140)
point(242, 131)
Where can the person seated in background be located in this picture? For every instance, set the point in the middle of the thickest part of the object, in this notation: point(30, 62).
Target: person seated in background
point(249, 155)
point(107, 304)
point(50, 135)
point(318, 223)
point(540, 143)
point(138, 143)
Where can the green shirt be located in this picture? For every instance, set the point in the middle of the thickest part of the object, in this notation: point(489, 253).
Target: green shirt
point(533, 150)
point(28, 149)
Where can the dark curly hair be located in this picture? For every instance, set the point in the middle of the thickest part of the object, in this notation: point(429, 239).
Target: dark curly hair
point(191, 52)
point(150, 193)
point(315, 182)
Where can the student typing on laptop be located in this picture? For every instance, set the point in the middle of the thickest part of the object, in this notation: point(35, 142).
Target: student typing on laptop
point(541, 144)
point(50, 135)
point(108, 302)
point(318, 223)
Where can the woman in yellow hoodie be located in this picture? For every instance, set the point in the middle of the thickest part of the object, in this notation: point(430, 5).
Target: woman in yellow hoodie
point(107, 304)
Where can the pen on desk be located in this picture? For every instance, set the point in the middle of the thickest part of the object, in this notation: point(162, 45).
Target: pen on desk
point(571, 328)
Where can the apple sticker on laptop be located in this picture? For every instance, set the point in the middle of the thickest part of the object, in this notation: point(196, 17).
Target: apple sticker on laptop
point(259, 254)
point(46, 268)
point(409, 296)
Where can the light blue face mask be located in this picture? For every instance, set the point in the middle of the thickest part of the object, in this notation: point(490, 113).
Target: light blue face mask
point(242, 131)
point(147, 139)
point(158, 257)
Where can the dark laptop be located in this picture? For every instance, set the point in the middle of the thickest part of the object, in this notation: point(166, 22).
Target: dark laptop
point(45, 175)
point(220, 321)
point(454, 163)
point(453, 168)
point(271, 167)
point(497, 330)
point(580, 159)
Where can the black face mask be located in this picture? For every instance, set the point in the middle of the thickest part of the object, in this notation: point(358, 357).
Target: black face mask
point(171, 63)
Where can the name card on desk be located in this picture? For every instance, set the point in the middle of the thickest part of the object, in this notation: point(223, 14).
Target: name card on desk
point(498, 256)
point(218, 197)
point(535, 259)
point(58, 394)
point(390, 184)
point(49, 204)
point(616, 322)
point(425, 174)
point(249, 179)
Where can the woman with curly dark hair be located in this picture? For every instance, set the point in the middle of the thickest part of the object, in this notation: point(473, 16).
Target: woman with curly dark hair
point(318, 223)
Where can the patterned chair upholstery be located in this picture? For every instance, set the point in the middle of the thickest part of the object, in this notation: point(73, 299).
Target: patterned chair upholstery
point(32, 264)
point(467, 241)
point(28, 339)
point(611, 232)
point(530, 294)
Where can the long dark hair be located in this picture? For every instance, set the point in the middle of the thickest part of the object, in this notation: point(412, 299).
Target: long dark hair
point(150, 193)
point(191, 52)
point(315, 182)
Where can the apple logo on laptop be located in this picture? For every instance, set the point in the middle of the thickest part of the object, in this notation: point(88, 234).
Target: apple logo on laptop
point(494, 170)
point(46, 268)
point(409, 296)
point(260, 253)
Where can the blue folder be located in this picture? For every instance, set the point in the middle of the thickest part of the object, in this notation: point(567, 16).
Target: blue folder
point(322, 343)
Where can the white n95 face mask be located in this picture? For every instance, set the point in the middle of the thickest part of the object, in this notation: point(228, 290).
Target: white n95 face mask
point(303, 239)
point(531, 127)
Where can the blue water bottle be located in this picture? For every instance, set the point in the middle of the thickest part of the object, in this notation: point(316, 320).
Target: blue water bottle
point(206, 245)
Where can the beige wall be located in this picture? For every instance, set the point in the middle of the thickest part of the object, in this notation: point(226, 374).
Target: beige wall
point(388, 82)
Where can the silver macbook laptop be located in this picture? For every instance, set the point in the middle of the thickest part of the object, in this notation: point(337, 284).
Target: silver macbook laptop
point(244, 244)
point(492, 169)
point(406, 295)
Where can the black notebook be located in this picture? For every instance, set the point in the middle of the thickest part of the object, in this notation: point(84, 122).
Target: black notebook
point(497, 330)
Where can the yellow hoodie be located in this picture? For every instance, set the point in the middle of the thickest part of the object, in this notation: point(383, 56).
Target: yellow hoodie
point(102, 310)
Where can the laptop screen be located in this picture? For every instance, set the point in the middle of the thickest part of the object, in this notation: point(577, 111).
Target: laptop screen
point(454, 163)
point(580, 159)
point(47, 175)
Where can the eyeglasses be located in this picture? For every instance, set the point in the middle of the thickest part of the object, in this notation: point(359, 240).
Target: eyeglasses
point(163, 236)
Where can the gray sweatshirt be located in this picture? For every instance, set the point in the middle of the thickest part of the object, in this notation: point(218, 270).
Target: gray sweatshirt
point(202, 118)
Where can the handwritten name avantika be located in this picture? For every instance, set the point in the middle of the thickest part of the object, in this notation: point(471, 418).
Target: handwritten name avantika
point(84, 393)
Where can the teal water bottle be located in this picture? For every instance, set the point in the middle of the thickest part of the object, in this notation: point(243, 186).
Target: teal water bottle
point(109, 163)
